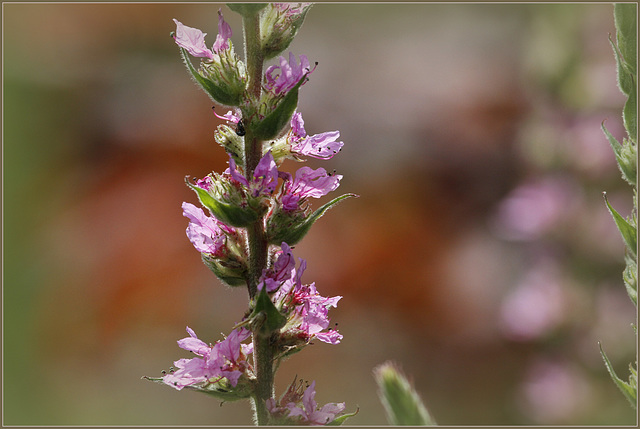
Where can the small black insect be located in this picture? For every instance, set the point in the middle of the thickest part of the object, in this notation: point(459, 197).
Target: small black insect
point(240, 128)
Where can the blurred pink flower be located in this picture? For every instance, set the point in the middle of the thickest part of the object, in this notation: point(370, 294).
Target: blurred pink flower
point(536, 207)
point(554, 392)
point(536, 306)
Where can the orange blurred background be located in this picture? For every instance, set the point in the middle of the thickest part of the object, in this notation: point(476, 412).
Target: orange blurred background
point(480, 255)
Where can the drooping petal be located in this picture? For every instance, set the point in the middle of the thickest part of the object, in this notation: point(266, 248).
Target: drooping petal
point(194, 344)
point(192, 40)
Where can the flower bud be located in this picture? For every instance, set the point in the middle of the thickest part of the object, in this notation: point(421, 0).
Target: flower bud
point(232, 271)
point(279, 24)
point(226, 76)
point(232, 143)
point(221, 74)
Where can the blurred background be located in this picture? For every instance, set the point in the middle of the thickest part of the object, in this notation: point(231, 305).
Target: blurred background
point(480, 255)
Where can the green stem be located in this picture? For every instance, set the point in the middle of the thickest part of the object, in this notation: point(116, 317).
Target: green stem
point(258, 245)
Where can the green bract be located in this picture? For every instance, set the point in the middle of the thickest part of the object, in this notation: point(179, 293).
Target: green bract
point(278, 28)
point(291, 228)
point(273, 319)
point(400, 400)
point(228, 213)
point(231, 273)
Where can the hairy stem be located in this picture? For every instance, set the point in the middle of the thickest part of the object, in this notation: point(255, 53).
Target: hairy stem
point(258, 246)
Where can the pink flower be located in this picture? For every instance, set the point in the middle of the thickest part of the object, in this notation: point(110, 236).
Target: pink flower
point(226, 359)
point(310, 414)
point(308, 183)
point(229, 116)
point(292, 8)
point(224, 34)
point(205, 233)
point(313, 313)
point(307, 310)
point(282, 270)
point(192, 39)
point(290, 74)
point(265, 176)
point(323, 146)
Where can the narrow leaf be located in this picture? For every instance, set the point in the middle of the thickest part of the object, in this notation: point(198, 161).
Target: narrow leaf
point(212, 389)
point(626, 155)
point(271, 125)
point(293, 235)
point(625, 19)
point(274, 319)
point(628, 232)
point(625, 74)
point(339, 420)
point(627, 390)
point(629, 112)
point(401, 402)
point(227, 213)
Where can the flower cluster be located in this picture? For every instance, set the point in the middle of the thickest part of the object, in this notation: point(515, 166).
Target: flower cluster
point(226, 359)
point(300, 408)
point(253, 212)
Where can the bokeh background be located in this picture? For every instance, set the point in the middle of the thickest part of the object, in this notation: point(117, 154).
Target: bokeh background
point(480, 255)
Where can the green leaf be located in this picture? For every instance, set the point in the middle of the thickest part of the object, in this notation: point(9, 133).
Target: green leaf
point(274, 319)
point(218, 93)
point(227, 213)
point(629, 113)
point(625, 19)
point(246, 9)
point(628, 232)
point(626, 155)
point(625, 75)
point(629, 391)
point(271, 125)
point(630, 277)
point(339, 420)
point(293, 235)
point(401, 402)
point(217, 390)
